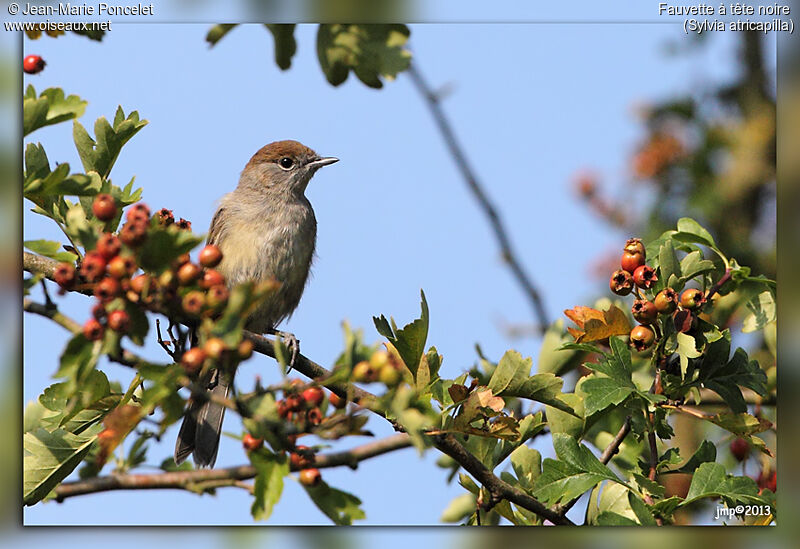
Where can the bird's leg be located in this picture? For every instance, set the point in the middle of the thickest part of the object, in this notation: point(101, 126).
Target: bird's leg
point(291, 341)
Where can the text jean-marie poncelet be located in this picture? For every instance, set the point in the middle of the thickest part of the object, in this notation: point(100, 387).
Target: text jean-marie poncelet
point(102, 8)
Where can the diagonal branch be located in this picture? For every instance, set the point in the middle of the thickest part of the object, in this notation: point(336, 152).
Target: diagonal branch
point(460, 158)
point(229, 476)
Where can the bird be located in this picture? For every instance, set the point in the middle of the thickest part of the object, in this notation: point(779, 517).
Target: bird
point(265, 229)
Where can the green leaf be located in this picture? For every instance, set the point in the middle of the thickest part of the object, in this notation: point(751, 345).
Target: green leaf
point(602, 392)
point(762, 311)
point(613, 498)
point(643, 514)
point(217, 32)
point(553, 357)
point(268, 486)
point(410, 341)
point(690, 230)
point(78, 227)
point(668, 263)
point(285, 44)
point(372, 52)
point(706, 453)
point(609, 518)
point(565, 422)
point(51, 107)
point(50, 457)
point(78, 362)
point(739, 371)
point(164, 246)
point(527, 464)
point(576, 471)
point(710, 480)
point(100, 155)
point(512, 370)
point(342, 508)
point(687, 348)
point(51, 249)
point(37, 166)
point(694, 265)
point(459, 508)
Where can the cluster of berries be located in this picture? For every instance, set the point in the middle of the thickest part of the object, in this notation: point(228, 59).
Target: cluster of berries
point(186, 289)
point(300, 405)
point(381, 366)
point(767, 478)
point(637, 277)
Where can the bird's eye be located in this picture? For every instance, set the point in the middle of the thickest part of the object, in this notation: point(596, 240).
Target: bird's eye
point(286, 163)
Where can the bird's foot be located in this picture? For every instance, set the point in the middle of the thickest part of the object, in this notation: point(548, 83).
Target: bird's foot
point(292, 343)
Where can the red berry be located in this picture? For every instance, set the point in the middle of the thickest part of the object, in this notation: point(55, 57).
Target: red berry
point(93, 330)
point(644, 311)
point(692, 299)
point(630, 262)
point(107, 289)
point(139, 212)
point(192, 360)
point(293, 403)
point(184, 225)
point(141, 284)
point(644, 276)
point(635, 246)
point(104, 207)
point(210, 256)
point(183, 258)
point(251, 443)
point(33, 64)
point(621, 282)
point(64, 275)
point(684, 321)
point(302, 458)
point(642, 337)
point(283, 408)
point(99, 311)
point(121, 266)
point(245, 349)
point(217, 296)
point(768, 480)
point(740, 448)
point(119, 321)
point(666, 301)
point(314, 416)
point(212, 278)
point(133, 233)
point(310, 477)
point(93, 266)
point(109, 246)
point(313, 396)
point(337, 401)
point(193, 302)
point(188, 273)
point(165, 217)
point(214, 347)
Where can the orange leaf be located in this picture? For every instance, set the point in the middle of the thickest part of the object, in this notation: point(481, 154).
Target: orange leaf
point(597, 325)
point(118, 424)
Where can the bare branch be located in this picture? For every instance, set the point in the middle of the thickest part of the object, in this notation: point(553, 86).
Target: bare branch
point(230, 476)
point(470, 178)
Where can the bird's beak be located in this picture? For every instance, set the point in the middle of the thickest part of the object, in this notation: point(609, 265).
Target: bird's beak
point(319, 162)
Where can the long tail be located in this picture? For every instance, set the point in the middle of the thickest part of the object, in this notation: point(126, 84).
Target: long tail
point(202, 426)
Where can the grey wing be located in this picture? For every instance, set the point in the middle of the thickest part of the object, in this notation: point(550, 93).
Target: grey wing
point(217, 225)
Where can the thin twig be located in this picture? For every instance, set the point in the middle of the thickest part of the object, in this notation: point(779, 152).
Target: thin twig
point(187, 480)
point(434, 103)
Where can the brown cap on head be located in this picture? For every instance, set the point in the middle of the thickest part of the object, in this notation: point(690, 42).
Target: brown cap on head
point(276, 150)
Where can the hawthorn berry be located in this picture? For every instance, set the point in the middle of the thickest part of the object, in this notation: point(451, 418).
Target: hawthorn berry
point(642, 337)
point(293, 403)
point(214, 347)
point(314, 416)
point(283, 408)
point(33, 64)
point(188, 273)
point(133, 233)
point(766, 479)
point(630, 262)
point(337, 401)
point(104, 207)
point(141, 284)
point(363, 372)
point(119, 321)
point(193, 302)
point(389, 375)
point(740, 448)
point(64, 275)
point(310, 477)
point(644, 276)
point(192, 360)
point(692, 299)
point(99, 311)
point(666, 301)
point(644, 311)
point(684, 320)
point(165, 217)
point(635, 246)
point(139, 212)
point(93, 266)
point(108, 245)
point(210, 256)
point(184, 224)
point(212, 278)
point(251, 443)
point(93, 330)
point(121, 266)
point(313, 396)
point(245, 349)
point(107, 289)
point(301, 458)
point(217, 296)
point(379, 359)
point(621, 282)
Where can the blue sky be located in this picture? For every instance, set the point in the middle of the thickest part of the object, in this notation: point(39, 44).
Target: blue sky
point(532, 105)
